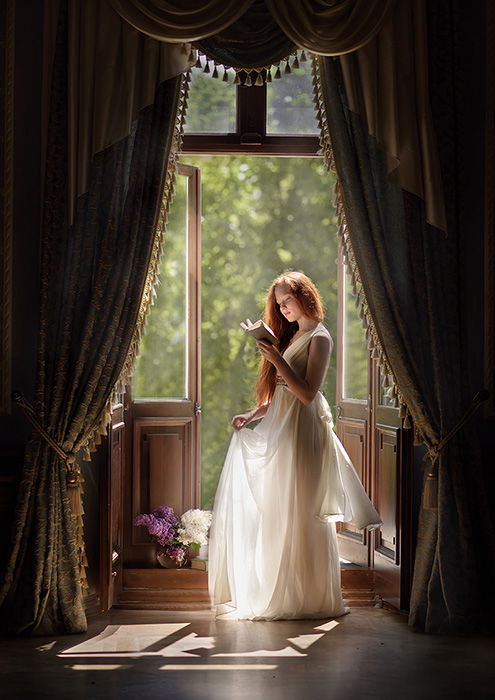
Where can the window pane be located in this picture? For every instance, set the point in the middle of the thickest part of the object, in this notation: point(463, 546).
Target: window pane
point(290, 108)
point(161, 369)
point(355, 349)
point(212, 103)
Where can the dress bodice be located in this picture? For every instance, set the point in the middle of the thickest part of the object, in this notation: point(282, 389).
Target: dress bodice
point(296, 354)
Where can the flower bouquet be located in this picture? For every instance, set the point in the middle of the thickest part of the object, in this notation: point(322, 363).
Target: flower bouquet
point(176, 535)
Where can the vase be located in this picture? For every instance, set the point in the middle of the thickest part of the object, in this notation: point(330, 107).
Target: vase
point(168, 562)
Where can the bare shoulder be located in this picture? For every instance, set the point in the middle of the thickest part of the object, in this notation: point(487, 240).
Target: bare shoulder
point(323, 332)
point(321, 342)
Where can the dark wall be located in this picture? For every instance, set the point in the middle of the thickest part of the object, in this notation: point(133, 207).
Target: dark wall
point(458, 89)
point(14, 429)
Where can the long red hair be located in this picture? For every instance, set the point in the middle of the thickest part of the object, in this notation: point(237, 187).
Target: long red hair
point(303, 289)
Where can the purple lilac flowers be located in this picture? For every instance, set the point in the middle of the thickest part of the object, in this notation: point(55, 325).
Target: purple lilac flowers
point(162, 524)
point(175, 534)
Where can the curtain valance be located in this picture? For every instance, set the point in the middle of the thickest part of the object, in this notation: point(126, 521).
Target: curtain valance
point(328, 27)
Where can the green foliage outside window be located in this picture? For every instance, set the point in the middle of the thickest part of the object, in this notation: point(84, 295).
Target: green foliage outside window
point(260, 216)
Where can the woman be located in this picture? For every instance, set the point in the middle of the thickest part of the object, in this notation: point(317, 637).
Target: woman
point(273, 545)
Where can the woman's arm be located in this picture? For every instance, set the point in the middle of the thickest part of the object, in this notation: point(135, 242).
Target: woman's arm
point(305, 388)
point(243, 419)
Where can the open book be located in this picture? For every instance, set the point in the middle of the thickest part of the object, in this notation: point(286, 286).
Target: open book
point(259, 330)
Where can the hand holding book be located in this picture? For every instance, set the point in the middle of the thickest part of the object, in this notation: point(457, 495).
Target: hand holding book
point(260, 331)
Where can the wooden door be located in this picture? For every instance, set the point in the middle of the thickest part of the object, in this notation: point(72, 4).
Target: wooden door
point(111, 498)
point(164, 409)
point(353, 409)
point(392, 481)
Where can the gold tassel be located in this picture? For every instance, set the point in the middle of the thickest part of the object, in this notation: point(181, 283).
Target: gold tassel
point(303, 56)
point(191, 55)
point(247, 81)
point(287, 69)
point(278, 74)
point(215, 72)
point(206, 69)
point(237, 80)
point(198, 62)
point(430, 491)
point(225, 78)
point(269, 75)
point(259, 80)
point(407, 423)
point(295, 62)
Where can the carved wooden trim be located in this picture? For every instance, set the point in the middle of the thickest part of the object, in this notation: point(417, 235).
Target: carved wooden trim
point(7, 203)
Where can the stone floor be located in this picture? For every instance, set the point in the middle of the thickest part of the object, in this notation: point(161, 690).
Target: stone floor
point(370, 653)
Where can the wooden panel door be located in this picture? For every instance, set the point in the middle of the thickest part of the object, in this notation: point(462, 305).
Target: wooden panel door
point(392, 475)
point(164, 410)
point(353, 409)
point(111, 511)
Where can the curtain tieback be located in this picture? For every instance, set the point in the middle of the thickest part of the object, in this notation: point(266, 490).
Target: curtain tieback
point(69, 458)
point(430, 495)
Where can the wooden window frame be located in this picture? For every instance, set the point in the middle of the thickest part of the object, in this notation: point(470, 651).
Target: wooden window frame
point(250, 137)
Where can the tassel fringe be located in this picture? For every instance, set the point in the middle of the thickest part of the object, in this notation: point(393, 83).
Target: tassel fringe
point(372, 337)
point(255, 75)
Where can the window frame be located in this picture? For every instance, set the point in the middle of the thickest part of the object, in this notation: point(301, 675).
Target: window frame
point(250, 137)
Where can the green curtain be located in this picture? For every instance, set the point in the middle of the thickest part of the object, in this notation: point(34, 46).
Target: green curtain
point(92, 279)
point(411, 282)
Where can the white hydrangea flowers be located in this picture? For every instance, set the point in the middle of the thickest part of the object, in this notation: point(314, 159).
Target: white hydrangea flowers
point(193, 527)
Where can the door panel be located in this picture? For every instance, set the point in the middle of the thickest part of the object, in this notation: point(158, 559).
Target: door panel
point(353, 544)
point(111, 510)
point(386, 491)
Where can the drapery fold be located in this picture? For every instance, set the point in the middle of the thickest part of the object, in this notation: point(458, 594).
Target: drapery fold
point(409, 278)
point(173, 20)
point(92, 279)
point(386, 83)
point(114, 72)
point(330, 27)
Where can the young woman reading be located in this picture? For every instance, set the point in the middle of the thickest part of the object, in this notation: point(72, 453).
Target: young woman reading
point(273, 546)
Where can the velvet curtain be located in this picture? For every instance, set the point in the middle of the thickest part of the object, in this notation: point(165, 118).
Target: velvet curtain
point(408, 275)
point(113, 73)
point(93, 275)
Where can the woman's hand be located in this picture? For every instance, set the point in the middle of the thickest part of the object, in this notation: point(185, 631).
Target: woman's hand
point(270, 352)
point(240, 420)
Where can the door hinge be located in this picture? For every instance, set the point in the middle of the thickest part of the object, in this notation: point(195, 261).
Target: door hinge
point(197, 408)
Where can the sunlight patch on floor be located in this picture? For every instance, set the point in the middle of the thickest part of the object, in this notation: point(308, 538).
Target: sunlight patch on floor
point(99, 667)
point(125, 639)
point(218, 667)
point(327, 626)
point(165, 640)
point(288, 651)
point(304, 641)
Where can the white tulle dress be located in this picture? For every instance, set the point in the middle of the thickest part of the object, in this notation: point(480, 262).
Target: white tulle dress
point(273, 546)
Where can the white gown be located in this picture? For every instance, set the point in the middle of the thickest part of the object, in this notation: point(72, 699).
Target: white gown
point(273, 546)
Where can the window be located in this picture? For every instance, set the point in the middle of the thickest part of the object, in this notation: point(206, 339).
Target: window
point(225, 118)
